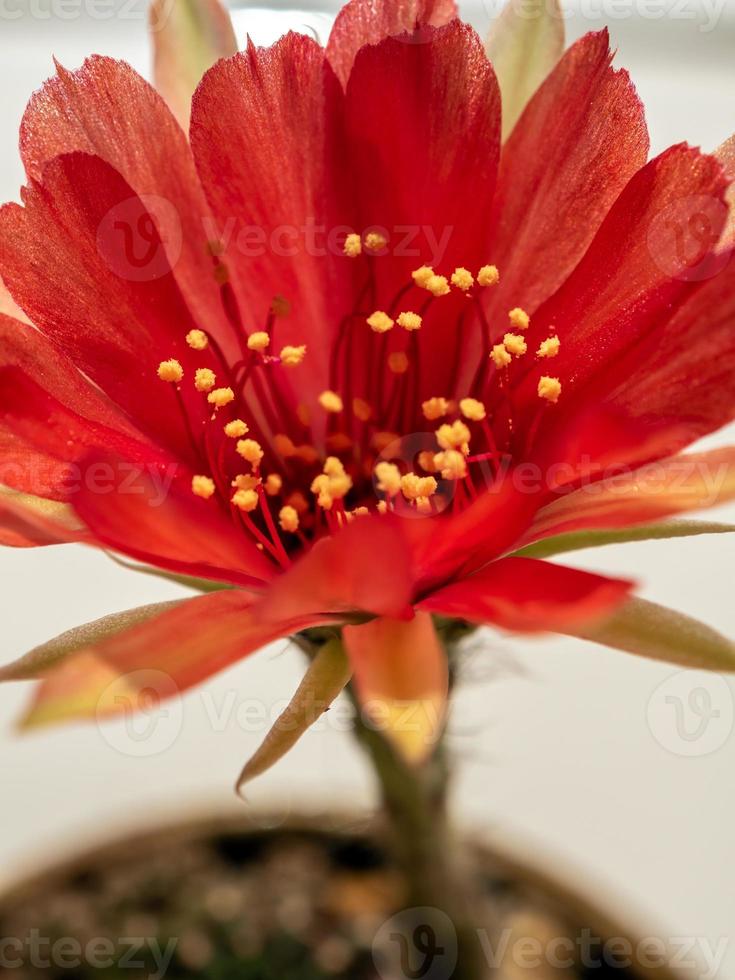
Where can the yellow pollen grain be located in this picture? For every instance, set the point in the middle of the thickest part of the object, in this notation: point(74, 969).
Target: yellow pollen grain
point(463, 279)
point(549, 389)
point(273, 484)
point(375, 241)
point(422, 275)
point(352, 246)
point(170, 371)
point(246, 481)
point(409, 320)
point(362, 409)
point(204, 379)
point(387, 478)
point(197, 340)
point(500, 356)
point(488, 275)
point(246, 500)
point(398, 362)
point(330, 401)
point(519, 319)
point(250, 450)
point(288, 519)
point(451, 464)
point(320, 488)
point(202, 486)
point(437, 285)
point(380, 322)
point(292, 356)
point(454, 436)
point(259, 340)
point(221, 397)
point(549, 348)
point(414, 487)
point(472, 409)
point(382, 507)
point(515, 344)
point(435, 408)
point(426, 461)
point(236, 429)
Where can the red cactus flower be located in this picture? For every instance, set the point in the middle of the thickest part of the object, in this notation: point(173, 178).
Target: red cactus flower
point(351, 357)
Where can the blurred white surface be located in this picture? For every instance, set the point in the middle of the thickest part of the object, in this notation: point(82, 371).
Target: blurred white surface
point(554, 739)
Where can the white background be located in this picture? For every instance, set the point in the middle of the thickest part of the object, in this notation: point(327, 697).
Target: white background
point(553, 739)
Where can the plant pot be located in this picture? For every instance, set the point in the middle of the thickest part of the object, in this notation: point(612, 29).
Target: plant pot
point(216, 898)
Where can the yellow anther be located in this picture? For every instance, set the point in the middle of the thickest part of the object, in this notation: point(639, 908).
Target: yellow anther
point(426, 461)
point(501, 357)
point(519, 319)
point(258, 340)
point(221, 397)
point(288, 519)
point(435, 408)
point(549, 389)
point(250, 450)
point(451, 464)
point(236, 429)
point(375, 241)
point(382, 507)
point(398, 362)
point(333, 484)
point(472, 409)
point(204, 379)
point(246, 500)
point(330, 401)
point(437, 285)
point(246, 481)
point(515, 344)
point(320, 487)
point(284, 445)
point(333, 466)
point(273, 484)
point(292, 356)
point(202, 486)
point(387, 478)
point(197, 340)
point(422, 275)
point(362, 409)
point(549, 348)
point(454, 436)
point(488, 275)
point(463, 279)
point(409, 320)
point(170, 371)
point(353, 246)
point(380, 322)
point(413, 487)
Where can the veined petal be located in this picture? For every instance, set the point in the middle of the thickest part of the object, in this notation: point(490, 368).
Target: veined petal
point(726, 155)
point(649, 630)
point(692, 481)
point(188, 37)
point(580, 139)
point(524, 44)
point(402, 679)
point(362, 22)
point(166, 655)
point(528, 596)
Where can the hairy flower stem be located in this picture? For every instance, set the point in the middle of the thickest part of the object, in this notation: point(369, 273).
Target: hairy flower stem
point(415, 805)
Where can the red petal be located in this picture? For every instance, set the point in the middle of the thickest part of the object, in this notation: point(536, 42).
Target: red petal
point(580, 139)
point(75, 238)
point(365, 567)
point(150, 513)
point(263, 134)
point(162, 657)
point(362, 22)
point(402, 679)
point(528, 596)
point(27, 522)
point(106, 109)
point(423, 122)
point(672, 486)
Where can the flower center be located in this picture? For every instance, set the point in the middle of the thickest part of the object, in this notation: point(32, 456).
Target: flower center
point(288, 474)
